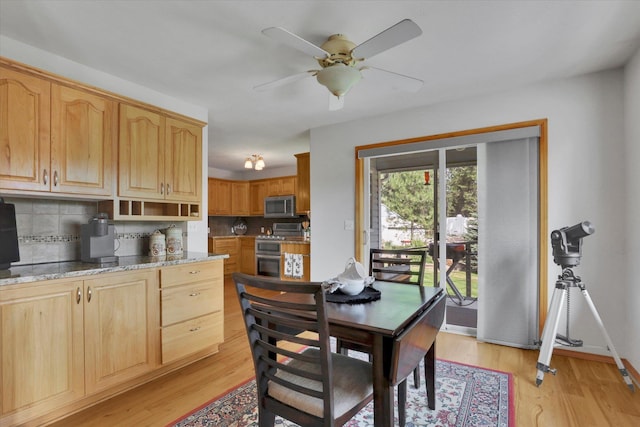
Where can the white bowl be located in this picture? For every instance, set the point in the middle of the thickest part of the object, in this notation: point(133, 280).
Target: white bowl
point(351, 286)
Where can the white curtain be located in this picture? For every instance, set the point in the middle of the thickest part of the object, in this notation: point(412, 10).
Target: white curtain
point(508, 242)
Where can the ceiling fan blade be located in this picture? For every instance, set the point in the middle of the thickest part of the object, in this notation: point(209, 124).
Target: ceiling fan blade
point(399, 33)
point(283, 81)
point(335, 102)
point(283, 36)
point(395, 80)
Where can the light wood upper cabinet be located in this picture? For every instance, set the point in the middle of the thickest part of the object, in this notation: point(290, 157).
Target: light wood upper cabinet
point(219, 197)
point(303, 188)
point(284, 186)
point(141, 152)
point(121, 323)
point(24, 131)
point(160, 158)
point(83, 140)
point(258, 193)
point(183, 161)
point(41, 349)
point(240, 198)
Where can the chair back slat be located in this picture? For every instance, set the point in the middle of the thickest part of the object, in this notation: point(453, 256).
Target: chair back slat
point(398, 265)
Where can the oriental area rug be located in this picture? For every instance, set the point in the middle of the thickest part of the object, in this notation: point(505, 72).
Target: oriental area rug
point(465, 396)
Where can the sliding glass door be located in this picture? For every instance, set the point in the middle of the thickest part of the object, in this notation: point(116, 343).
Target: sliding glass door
point(490, 238)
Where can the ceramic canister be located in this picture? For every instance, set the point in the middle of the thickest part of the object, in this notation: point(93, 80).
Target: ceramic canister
point(157, 245)
point(174, 240)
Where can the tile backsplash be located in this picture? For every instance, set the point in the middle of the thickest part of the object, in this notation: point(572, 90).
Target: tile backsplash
point(49, 230)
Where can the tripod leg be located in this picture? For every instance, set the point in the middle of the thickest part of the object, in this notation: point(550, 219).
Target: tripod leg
point(621, 368)
point(549, 333)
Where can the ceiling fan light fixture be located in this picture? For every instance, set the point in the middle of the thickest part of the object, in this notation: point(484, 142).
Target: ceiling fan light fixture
point(260, 163)
point(248, 164)
point(338, 78)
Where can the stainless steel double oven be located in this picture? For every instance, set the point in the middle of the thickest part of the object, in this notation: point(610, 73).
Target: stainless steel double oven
point(268, 251)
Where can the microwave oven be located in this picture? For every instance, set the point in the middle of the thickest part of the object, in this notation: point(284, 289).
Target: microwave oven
point(280, 207)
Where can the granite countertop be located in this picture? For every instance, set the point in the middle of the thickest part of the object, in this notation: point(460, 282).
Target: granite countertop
point(61, 270)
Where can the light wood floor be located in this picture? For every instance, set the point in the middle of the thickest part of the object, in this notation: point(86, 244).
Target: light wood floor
point(584, 393)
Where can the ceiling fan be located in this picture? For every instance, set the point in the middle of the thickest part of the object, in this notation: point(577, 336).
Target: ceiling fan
point(339, 58)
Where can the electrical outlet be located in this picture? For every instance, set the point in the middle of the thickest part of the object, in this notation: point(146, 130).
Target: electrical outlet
point(192, 227)
point(348, 224)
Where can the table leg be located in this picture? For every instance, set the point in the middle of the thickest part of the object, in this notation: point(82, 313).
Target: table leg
point(430, 375)
point(382, 389)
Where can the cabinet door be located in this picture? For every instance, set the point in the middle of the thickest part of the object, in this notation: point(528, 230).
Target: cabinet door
point(219, 197)
point(41, 349)
point(296, 248)
point(248, 255)
point(258, 191)
point(303, 192)
point(288, 186)
point(183, 161)
point(83, 138)
point(141, 153)
point(24, 132)
point(240, 199)
point(121, 328)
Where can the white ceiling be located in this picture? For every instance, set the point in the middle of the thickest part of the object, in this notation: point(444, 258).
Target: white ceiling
point(212, 54)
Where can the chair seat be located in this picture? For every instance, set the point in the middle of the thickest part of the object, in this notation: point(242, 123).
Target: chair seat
point(352, 383)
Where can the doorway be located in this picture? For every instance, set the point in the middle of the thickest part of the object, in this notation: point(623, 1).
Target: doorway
point(511, 179)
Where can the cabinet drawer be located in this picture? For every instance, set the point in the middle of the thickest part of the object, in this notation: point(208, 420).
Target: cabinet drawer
point(190, 273)
point(188, 337)
point(180, 303)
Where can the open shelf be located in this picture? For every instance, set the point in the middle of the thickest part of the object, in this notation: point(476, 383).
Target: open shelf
point(142, 210)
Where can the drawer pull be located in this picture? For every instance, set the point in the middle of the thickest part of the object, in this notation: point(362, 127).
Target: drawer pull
point(194, 272)
point(195, 294)
point(194, 329)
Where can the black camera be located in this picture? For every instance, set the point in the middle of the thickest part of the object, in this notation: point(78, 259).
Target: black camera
point(567, 243)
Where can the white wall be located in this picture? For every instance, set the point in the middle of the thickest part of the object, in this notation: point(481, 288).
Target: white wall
point(586, 180)
point(631, 298)
point(12, 49)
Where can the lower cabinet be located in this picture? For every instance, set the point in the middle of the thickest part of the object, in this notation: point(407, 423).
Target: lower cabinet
point(41, 349)
point(121, 318)
point(302, 249)
point(67, 344)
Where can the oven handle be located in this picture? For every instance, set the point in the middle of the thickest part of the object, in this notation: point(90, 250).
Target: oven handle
point(268, 256)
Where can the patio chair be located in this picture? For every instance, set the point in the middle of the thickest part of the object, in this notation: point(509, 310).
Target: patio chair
point(393, 265)
point(313, 387)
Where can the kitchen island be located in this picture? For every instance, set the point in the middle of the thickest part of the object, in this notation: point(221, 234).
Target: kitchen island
point(74, 334)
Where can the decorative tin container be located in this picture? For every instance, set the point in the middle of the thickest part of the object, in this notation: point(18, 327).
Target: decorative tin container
point(174, 240)
point(157, 245)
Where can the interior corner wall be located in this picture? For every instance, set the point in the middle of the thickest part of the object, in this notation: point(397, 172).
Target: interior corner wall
point(586, 180)
point(17, 51)
point(631, 295)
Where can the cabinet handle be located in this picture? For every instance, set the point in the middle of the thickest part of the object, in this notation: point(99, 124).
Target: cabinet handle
point(194, 272)
point(55, 178)
point(45, 177)
point(168, 189)
point(194, 329)
point(78, 295)
point(89, 293)
point(162, 188)
point(195, 294)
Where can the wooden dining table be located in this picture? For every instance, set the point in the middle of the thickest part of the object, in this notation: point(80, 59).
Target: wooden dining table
point(399, 329)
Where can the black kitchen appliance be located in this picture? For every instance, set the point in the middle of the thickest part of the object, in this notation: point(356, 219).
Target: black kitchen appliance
point(268, 254)
point(9, 251)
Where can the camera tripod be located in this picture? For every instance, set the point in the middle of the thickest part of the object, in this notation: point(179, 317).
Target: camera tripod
point(549, 333)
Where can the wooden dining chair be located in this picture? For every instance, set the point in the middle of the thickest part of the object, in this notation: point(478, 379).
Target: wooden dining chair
point(312, 387)
point(393, 265)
